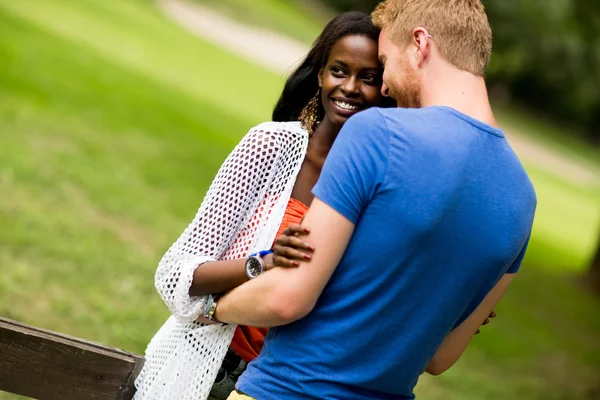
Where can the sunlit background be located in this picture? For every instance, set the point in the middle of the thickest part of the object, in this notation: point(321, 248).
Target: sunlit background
point(116, 114)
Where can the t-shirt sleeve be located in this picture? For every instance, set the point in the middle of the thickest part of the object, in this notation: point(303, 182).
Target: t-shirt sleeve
point(517, 263)
point(355, 166)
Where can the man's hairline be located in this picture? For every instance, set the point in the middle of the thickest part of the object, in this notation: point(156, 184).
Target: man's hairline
point(395, 43)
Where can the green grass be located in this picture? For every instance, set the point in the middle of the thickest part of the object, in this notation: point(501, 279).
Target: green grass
point(567, 222)
point(543, 345)
point(113, 121)
point(107, 151)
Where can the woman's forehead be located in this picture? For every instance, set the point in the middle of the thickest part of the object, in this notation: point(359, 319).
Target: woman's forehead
point(355, 49)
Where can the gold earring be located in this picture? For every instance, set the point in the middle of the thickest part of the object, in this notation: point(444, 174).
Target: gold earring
point(310, 114)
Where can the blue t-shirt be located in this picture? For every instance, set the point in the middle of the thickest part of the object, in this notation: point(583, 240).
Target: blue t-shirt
point(442, 208)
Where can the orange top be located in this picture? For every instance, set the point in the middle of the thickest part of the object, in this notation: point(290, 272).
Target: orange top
point(248, 341)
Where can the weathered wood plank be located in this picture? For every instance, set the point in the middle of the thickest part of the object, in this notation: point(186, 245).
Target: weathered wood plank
point(50, 366)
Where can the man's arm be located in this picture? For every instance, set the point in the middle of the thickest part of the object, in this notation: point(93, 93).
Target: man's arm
point(284, 295)
point(457, 341)
point(354, 169)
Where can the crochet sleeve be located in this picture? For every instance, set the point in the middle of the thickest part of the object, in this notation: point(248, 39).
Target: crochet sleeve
point(230, 202)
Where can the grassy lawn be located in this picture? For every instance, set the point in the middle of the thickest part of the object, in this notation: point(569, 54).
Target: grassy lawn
point(567, 223)
point(113, 122)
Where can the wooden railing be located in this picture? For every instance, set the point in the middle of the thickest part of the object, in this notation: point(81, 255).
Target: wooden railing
point(50, 366)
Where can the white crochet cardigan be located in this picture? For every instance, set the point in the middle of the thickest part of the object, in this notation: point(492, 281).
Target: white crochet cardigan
point(240, 214)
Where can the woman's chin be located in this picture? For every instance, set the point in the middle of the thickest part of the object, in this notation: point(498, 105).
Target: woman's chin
point(342, 118)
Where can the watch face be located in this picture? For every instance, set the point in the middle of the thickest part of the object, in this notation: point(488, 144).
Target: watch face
point(253, 267)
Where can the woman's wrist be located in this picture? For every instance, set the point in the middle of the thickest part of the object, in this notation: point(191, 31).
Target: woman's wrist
point(218, 276)
point(268, 259)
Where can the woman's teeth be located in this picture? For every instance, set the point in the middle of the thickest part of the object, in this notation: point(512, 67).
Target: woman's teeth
point(345, 106)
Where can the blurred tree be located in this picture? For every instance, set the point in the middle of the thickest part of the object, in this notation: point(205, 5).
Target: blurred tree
point(547, 54)
point(349, 5)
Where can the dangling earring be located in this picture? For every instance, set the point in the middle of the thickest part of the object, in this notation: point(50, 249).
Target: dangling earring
point(310, 114)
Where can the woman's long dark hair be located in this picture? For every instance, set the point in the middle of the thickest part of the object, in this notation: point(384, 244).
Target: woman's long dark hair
point(303, 84)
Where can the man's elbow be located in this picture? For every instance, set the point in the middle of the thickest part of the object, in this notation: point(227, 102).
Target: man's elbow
point(288, 305)
point(437, 367)
point(434, 370)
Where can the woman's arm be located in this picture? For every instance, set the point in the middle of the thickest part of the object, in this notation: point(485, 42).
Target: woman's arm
point(457, 341)
point(218, 276)
point(234, 194)
point(222, 276)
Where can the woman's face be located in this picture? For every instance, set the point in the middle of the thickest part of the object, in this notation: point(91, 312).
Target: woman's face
point(351, 79)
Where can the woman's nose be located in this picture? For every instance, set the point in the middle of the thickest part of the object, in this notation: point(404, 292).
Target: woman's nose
point(350, 85)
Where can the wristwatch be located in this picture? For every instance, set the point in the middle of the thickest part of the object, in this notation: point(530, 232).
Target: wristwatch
point(255, 265)
point(209, 308)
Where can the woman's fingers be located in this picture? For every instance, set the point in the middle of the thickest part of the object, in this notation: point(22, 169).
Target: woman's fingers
point(289, 248)
point(293, 241)
point(487, 321)
point(290, 252)
point(279, 261)
point(295, 229)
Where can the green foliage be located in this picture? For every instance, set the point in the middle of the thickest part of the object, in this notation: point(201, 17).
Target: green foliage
point(349, 5)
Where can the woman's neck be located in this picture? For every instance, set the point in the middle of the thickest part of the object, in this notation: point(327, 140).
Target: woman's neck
point(323, 137)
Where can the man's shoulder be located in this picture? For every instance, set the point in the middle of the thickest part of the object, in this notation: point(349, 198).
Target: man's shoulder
point(415, 127)
point(381, 116)
point(377, 116)
point(366, 128)
point(413, 118)
point(368, 118)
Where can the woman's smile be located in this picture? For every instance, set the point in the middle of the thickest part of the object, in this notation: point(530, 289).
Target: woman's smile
point(346, 107)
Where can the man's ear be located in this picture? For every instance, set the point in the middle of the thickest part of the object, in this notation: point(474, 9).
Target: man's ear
point(420, 41)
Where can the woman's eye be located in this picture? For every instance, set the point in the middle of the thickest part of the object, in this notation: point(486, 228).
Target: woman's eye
point(370, 79)
point(337, 71)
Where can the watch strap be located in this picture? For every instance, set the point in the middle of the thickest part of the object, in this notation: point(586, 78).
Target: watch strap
point(211, 308)
point(261, 254)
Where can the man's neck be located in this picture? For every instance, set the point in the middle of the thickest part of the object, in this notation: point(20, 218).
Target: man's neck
point(460, 90)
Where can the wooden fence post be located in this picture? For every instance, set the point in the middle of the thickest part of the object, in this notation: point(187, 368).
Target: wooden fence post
point(47, 365)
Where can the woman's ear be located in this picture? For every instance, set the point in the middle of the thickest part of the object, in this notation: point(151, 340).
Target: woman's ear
point(320, 77)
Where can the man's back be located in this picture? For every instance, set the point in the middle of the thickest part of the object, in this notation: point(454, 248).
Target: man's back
point(442, 209)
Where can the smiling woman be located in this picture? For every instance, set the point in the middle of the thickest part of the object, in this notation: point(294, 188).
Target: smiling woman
point(269, 175)
point(351, 79)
